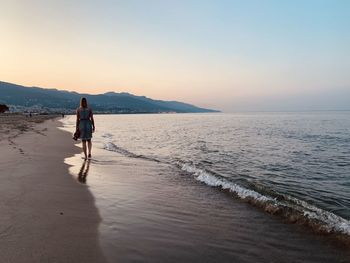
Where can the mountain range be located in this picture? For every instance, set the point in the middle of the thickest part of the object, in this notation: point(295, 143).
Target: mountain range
point(110, 102)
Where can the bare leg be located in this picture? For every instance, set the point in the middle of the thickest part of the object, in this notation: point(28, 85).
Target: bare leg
point(90, 147)
point(84, 149)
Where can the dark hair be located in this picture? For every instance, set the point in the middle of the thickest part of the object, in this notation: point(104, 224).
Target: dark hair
point(83, 103)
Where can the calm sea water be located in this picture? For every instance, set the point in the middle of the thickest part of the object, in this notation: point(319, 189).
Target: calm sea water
point(294, 165)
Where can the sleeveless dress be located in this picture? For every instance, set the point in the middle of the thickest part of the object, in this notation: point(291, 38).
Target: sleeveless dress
point(85, 124)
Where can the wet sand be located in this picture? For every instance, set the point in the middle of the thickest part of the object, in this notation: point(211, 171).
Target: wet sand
point(45, 215)
point(153, 212)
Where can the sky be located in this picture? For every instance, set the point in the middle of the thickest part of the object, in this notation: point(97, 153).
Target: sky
point(230, 55)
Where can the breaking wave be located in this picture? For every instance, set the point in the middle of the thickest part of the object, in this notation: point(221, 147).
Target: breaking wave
point(290, 208)
point(110, 146)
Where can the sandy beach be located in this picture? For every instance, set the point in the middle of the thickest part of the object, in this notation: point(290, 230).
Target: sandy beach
point(45, 215)
point(115, 208)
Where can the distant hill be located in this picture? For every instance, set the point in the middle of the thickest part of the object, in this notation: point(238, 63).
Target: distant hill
point(110, 102)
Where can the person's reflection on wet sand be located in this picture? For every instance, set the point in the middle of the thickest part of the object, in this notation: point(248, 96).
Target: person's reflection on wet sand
point(84, 170)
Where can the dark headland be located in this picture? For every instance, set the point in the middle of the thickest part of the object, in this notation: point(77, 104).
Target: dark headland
point(21, 98)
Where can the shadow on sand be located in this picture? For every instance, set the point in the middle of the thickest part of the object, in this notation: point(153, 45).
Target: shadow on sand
point(84, 171)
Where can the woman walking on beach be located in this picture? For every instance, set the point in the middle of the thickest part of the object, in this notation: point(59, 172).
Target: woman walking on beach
point(85, 125)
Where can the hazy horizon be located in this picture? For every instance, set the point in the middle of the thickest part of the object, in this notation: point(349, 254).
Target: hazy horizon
point(226, 55)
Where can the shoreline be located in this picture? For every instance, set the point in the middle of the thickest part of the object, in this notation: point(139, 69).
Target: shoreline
point(46, 215)
point(155, 211)
point(128, 209)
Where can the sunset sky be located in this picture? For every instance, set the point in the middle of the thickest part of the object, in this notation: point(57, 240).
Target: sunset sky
point(225, 54)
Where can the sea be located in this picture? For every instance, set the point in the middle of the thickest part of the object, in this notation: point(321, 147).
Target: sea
point(221, 187)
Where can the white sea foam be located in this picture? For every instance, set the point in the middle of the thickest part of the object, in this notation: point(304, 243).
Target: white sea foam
point(110, 146)
point(329, 221)
point(212, 180)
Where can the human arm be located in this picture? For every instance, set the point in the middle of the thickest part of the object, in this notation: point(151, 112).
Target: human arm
point(78, 120)
point(92, 120)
